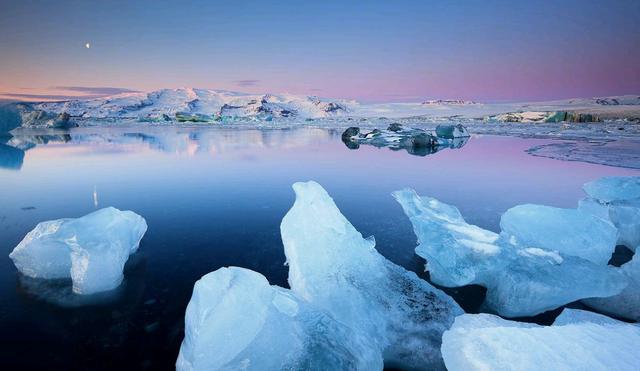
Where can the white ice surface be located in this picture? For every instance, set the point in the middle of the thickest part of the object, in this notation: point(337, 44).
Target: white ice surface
point(486, 342)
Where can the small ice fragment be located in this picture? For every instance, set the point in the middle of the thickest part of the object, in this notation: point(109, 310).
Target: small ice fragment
point(91, 250)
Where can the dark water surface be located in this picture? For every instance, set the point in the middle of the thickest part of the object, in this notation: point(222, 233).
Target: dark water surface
point(215, 198)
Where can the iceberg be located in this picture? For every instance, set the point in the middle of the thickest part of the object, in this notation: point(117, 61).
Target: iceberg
point(617, 200)
point(334, 268)
point(348, 306)
point(614, 188)
point(91, 250)
point(576, 342)
point(572, 316)
point(569, 231)
point(237, 321)
point(520, 280)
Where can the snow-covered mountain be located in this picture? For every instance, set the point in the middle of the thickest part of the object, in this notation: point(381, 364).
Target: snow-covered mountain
point(209, 106)
point(198, 105)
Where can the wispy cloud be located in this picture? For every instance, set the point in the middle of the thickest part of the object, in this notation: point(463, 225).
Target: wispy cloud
point(44, 97)
point(103, 90)
point(61, 93)
point(246, 82)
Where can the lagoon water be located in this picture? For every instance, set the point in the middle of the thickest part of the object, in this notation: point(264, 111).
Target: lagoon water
point(214, 198)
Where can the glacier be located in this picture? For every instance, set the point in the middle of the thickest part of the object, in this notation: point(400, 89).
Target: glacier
point(520, 280)
point(91, 250)
point(236, 321)
point(577, 341)
point(348, 306)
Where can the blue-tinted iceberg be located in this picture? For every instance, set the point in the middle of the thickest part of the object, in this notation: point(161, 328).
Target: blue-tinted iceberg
point(348, 307)
point(587, 342)
point(520, 280)
point(91, 250)
point(614, 188)
point(627, 303)
point(617, 200)
point(334, 268)
point(237, 321)
point(569, 231)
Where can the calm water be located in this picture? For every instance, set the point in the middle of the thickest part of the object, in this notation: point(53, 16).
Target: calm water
point(215, 198)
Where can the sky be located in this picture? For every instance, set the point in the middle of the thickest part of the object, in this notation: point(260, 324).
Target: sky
point(372, 51)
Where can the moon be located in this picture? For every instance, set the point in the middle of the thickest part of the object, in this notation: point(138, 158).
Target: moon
point(87, 45)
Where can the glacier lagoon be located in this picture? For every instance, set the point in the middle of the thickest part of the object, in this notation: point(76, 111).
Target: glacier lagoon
point(214, 198)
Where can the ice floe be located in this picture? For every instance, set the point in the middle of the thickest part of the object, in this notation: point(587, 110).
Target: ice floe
point(91, 250)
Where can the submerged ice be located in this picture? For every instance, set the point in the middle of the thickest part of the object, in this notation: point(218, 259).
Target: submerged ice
point(521, 279)
point(348, 307)
point(91, 250)
point(578, 340)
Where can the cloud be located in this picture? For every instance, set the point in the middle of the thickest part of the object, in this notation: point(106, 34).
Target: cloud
point(47, 96)
point(57, 93)
point(103, 90)
point(246, 82)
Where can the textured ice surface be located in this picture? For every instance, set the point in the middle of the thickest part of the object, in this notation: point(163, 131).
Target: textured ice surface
point(520, 281)
point(91, 250)
point(614, 188)
point(624, 215)
point(487, 342)
point(572, 316)
point(569, 231)
point(237, 321)
point(627, 303)
point(334, 268)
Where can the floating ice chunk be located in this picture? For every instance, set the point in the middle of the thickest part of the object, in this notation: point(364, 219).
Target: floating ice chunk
point(624, 215)
point(572, 316)
point(334, 268)
point(237, 321)
point(91, 250)
point(487, 342)
point(571, 232)
point(627, 303)
point(614, 188)
point(520, 281)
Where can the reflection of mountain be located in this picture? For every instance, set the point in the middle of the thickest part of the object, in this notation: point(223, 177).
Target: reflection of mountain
point(11, 157)
point(182, 141)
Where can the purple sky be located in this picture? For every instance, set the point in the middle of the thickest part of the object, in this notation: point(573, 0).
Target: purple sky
point(370, 51)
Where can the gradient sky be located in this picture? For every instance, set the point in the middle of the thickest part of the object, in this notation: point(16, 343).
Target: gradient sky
point(367, 50)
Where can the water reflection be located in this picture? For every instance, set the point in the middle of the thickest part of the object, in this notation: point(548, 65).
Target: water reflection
point(59, 291)
point(188, 141)
point(422, 151)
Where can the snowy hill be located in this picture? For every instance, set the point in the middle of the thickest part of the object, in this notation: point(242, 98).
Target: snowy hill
point(192, 104)
point(209, 106)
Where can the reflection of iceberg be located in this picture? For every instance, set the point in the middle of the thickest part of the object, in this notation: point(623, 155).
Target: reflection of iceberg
point(59, 291)
point(11, 157)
